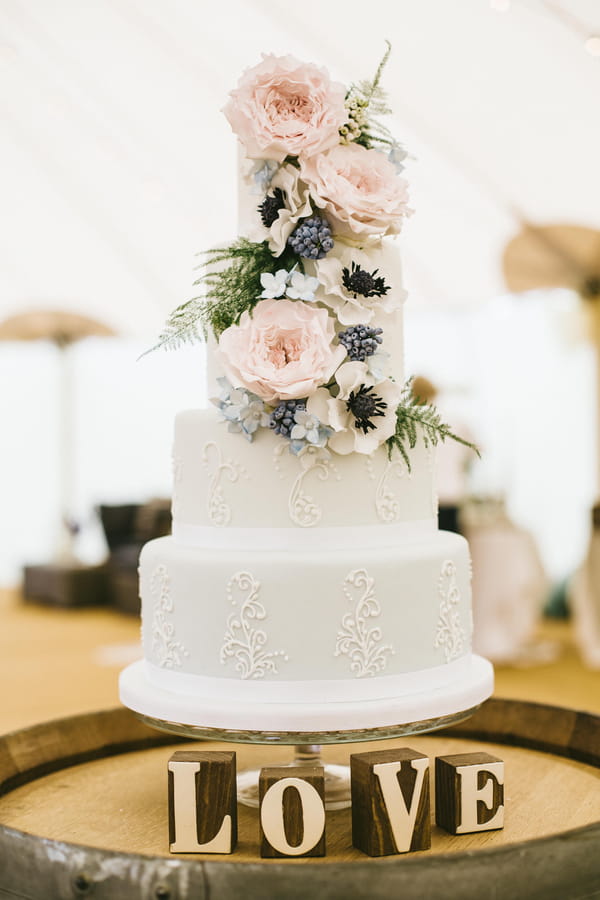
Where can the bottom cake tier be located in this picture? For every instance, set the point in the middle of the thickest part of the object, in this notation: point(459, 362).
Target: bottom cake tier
point(309, 640)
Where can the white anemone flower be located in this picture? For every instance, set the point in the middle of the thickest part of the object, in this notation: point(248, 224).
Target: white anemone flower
point(362, 415)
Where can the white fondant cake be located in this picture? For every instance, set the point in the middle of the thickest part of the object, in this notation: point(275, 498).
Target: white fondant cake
point(306, 587)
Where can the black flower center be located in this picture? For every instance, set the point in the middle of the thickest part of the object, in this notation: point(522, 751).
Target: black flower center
point(271, 206)
point(367, 284)
point(364, 404)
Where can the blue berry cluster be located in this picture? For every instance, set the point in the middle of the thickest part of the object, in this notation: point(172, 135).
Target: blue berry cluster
point(311, 239)
point(360, 341)
point(282, 418)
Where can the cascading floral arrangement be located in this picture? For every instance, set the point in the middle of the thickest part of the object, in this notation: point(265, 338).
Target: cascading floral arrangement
point(295, 310)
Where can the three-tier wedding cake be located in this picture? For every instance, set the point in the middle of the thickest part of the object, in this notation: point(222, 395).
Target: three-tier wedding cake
point(306, 586)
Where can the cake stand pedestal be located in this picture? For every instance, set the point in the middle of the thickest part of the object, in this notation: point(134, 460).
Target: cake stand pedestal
point(307, 749)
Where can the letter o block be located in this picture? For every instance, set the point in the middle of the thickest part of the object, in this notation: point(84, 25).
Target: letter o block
point(469, 792)
point(292, 811)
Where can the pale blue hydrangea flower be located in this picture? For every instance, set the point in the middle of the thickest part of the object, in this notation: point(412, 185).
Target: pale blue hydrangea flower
point(262, 174)
point(307, 432)
point(301, 287)
point(397, 155)
point(274, 285)
point(378, 365)
point(243, 411)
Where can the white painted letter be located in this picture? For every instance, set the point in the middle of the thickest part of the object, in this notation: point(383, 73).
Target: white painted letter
point(185, 814)
point(470, 794)
point(313, 815)
point(402, 820)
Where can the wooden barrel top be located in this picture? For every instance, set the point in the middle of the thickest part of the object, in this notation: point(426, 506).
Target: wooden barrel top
point(83, 812)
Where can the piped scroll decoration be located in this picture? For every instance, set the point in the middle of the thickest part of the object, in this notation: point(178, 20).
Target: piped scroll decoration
point(219, 511)
point(361, 644)
point(387, 503)
point(168, 653)
point(303, 509)
point(242, 641)
point(449, 634)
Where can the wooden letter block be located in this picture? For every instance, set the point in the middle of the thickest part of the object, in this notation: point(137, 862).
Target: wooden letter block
point(202, 802)
point(390, 801)
point(292, 811)
point(469, 792)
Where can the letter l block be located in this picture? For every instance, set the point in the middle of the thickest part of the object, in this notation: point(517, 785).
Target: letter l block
point(202, 802)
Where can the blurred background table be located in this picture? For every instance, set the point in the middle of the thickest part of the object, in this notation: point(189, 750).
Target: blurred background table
point(59, 662)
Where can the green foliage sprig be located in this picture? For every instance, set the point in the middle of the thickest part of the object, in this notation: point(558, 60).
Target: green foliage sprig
point(232, 281)
point(370, 101)
point(413, 417)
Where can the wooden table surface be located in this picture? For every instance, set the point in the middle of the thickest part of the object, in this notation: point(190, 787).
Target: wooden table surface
point(57, 662)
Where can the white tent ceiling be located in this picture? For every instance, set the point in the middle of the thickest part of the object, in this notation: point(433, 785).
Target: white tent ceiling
point(116, 165)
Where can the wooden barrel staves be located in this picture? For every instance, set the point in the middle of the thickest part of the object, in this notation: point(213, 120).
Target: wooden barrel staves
point(83, 813)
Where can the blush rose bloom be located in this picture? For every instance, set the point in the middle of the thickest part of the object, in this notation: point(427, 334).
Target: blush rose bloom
point(283, 351)
point(284, 107)
point(359, 190)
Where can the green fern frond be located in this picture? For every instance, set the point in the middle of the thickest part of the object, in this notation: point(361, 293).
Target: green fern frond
point(412, 419)
point(232, 286)
point(182, 327)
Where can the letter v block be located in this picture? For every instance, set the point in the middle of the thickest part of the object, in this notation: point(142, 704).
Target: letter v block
point(390, 801)
point(469, 792)
point(202, 802)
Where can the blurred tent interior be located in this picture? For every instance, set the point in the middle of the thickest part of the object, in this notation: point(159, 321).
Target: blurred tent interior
point(117, 168)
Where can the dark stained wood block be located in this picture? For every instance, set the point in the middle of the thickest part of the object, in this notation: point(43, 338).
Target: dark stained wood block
point(73, 584)
point(390, 801)
point(469, 792)
point(202, 802)
point(292, 811)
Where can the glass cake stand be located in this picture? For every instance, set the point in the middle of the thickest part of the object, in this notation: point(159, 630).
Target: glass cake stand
point(307, 748)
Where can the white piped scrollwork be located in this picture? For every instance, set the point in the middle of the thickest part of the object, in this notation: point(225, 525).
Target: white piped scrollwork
point(449, 634)
point(386, 502)
point(361, 644)
point(168, 652)
point(303, 509)
point(219, 511)
point(177, 470)
point(242, 641)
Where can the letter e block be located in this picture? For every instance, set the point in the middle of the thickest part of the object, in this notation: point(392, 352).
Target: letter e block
point(202, 802)
point(292, 811)
point(390, 801)
point(469, 792)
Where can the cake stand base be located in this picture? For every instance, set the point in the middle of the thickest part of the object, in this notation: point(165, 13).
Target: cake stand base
point(337, 777)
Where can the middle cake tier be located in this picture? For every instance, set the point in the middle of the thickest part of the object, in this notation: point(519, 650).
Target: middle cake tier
point(230, 492)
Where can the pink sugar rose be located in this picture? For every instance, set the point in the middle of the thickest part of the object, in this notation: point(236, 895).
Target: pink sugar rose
point(359, 190)
point(283, 107)
point(283, 351)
